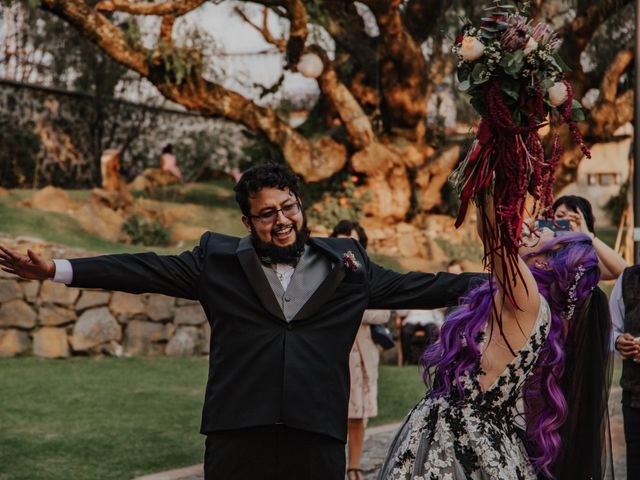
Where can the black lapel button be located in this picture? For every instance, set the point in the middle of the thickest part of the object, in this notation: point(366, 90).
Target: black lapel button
point(289, 327)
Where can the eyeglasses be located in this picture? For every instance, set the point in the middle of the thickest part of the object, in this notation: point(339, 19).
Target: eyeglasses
point(270, 216)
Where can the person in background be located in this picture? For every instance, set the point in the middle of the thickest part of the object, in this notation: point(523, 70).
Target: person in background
point(624, 305)
point(577, 210)
point(421, 328)
point(363, 367)
point(168, 162)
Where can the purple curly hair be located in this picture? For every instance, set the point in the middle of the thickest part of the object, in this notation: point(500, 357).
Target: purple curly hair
point(571, 261)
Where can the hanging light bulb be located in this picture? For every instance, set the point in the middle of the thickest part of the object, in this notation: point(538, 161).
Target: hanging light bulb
point(310, 65)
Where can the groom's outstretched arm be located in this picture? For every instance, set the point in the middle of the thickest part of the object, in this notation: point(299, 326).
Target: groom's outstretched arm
point(417, 290)
point(173, 275)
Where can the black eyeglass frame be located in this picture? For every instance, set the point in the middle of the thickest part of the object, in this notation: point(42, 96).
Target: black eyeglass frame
point(267, 218)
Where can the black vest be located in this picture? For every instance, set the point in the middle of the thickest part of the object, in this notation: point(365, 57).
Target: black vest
point(630, 380)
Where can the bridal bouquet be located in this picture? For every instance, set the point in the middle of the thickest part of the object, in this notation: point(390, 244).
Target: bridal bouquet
point(511, 69)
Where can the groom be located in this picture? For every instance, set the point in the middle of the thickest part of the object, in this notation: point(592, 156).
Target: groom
point(284, 309)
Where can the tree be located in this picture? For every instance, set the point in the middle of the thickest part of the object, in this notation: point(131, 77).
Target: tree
point(374, 89)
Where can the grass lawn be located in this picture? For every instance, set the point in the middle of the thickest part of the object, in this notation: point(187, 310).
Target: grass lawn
point(115, 418)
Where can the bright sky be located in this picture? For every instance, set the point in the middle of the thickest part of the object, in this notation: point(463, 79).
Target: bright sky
point(234, 36)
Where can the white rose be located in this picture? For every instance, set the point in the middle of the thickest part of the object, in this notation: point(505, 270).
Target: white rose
point(531, 46)
point(471, 49)
point(558, 94)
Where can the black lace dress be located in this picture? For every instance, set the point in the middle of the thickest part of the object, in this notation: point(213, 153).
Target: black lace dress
point(474, 438)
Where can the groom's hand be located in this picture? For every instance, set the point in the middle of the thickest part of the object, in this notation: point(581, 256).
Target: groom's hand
point(31, 267)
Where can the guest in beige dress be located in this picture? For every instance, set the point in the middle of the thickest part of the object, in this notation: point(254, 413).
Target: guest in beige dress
point(363, 367)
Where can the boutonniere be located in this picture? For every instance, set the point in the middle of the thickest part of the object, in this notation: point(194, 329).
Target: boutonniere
point(350, 262)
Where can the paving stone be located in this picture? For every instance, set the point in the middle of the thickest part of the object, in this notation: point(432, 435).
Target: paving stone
point(160, 307)
point(51, 342)
point(53, 315)
point(10, 290)
point(190, 315)
point(92, 299)
point(94, 327)
point(58, 294)
point(13, 342)
point(17, 313)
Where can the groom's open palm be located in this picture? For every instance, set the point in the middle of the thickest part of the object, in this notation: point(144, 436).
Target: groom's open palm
point(29, 266)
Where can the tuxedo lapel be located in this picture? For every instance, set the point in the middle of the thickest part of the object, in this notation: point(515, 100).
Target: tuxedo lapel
point(253, 269)
point(328, 286)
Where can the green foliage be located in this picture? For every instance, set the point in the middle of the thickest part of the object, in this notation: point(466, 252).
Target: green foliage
point(259, 150)
point(616, 204)
point(18, 155)
point(469, 249)
point(145, 232)
point(334, 199)
point(196, 152)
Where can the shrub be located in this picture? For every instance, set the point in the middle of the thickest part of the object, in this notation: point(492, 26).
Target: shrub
point(145, 232)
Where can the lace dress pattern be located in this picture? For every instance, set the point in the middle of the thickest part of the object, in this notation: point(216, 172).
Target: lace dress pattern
point(475, 438)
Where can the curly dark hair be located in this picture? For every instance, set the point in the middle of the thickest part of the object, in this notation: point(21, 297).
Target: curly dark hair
point(345, 227)
point(268, 175)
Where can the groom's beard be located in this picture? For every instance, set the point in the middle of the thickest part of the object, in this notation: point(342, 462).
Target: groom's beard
point(270, 253)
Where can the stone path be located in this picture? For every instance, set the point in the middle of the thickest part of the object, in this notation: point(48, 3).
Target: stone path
point(378, 438)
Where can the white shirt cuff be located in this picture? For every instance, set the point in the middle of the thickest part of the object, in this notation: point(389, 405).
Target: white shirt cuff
point(64, 271)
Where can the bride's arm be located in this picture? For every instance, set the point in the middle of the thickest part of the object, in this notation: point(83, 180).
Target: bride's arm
point(516, 277)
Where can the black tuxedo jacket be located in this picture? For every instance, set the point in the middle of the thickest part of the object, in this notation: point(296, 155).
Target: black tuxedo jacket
point(262, 369)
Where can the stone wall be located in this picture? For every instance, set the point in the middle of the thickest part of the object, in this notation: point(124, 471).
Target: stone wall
point(52, 320)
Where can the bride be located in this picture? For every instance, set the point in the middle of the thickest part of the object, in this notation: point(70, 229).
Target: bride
point(517, 388)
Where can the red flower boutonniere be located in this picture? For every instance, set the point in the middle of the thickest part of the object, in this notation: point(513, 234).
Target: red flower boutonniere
point(350, 262)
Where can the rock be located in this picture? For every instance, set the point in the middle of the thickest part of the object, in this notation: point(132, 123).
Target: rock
point(94, 327)
point(91, 299)
point(185, 233)
point(17, 313)
point(31, 288)
point(181, 302)
point(54, 315)
point(142, 337)
point(10, 290)
point(58, 293)
point(3, 192)
point(139, 184)
point(13, 342)
point(190, 315)
point(409, 246)
point(183, 343)
point(433, 176)
point(127, 306)
point(110, 169)
point(101, 220)
point(52, 199)
point(49, 342)
point(160, 307)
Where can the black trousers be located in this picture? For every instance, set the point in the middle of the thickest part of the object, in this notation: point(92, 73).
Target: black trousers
point(631, 416)
point(273, 453)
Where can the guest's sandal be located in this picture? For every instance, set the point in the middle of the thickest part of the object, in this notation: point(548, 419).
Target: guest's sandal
point(354, 474)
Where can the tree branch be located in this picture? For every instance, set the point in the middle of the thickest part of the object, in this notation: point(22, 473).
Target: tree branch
point(279, 43)
point(403, 73)
point(297, 31)
point(176, 8)
point(314, 161)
